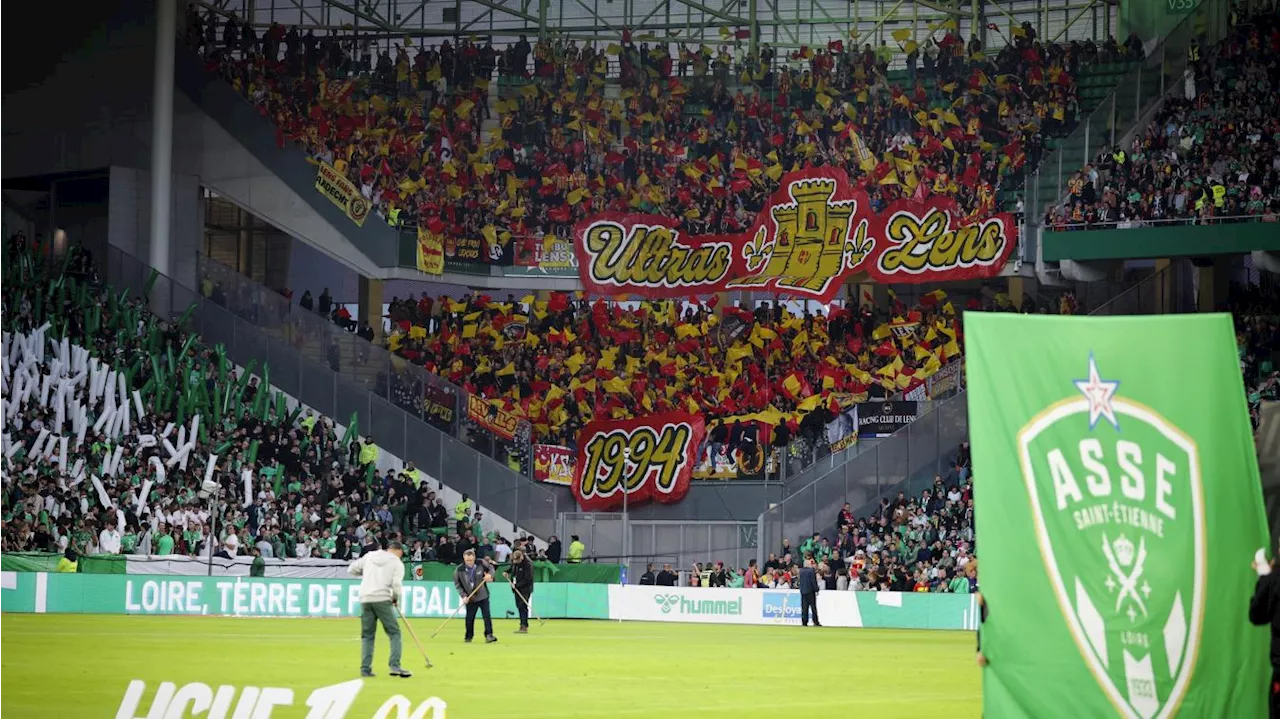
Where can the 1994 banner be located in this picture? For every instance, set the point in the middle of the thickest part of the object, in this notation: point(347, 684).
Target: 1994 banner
point(649, 458)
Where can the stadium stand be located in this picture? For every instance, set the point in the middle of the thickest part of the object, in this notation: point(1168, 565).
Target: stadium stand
point(318, 493)
point(909, 544)
point(576, 360)
point(426, 135)
point(1208, 155)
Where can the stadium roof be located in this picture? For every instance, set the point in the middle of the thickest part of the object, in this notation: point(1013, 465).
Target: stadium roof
point(781, 23)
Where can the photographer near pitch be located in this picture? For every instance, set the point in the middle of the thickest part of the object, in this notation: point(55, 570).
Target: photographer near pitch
point(521, 578)
point(470, 579)
point(1264, 608)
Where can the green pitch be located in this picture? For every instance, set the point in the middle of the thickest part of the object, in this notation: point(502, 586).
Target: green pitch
point(63, 665)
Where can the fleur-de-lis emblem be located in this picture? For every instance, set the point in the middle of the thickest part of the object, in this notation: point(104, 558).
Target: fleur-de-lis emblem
point(757, 251)
point(858, 246)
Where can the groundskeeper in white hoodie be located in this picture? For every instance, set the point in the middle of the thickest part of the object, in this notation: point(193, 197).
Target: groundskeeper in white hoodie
point(381, 576)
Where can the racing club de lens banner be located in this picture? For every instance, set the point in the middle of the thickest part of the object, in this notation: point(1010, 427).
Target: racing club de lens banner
point(816, 231)
point(647, 459)
point(1119, 509)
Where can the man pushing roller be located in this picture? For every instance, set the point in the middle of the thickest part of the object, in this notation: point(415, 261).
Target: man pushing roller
point(470, 579)
point(381, 583)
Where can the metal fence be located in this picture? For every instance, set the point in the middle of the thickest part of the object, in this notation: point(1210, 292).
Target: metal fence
point(614, 537)
point(342, 395)
point(907, 461)
point(1164, 291)
point(357, 362)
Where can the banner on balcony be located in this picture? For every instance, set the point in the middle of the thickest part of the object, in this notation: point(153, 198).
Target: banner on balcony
point(842, 431)
point(816, 231)
point(492, 417)
point(946, 379)
point(430, 252)
point(648, 458)
point(553, 464)
point(438, 406)
point(342, 192)
point(476, 255)
point(545, 257)
point(1117, 574)
point(746, 455)
point(881, 419)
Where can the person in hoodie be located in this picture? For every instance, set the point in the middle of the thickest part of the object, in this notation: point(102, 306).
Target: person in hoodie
point(381, 575)
point(1264, 608)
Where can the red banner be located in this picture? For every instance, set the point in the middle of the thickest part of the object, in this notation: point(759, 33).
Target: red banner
point(649, 458)
point(491, 417)
point(816, 231)
point(553, 464)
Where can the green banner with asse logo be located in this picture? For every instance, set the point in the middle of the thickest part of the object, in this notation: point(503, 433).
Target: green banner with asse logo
point(1118, 507)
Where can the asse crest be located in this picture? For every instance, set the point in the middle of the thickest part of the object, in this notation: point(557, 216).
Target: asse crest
point(1116, 493)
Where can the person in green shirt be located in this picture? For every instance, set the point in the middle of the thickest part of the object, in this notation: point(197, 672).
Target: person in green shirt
point(809, 546)
point(576, 548)
point(735, 579)
point(193, 537)
point(959, 584)
point(129, 542)
point(80, 538)
point(164, 543)
point(327, 544)
point(259, 566)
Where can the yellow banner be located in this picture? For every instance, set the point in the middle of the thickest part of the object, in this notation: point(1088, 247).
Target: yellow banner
point(344, 194)
point(430, 252)
point(491, 417)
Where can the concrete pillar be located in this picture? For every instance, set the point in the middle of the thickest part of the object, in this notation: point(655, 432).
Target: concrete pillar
point(244, 244)
point(1163, 286)
point(371, 304)
point(1015, 289)
point(876, 292)
point(162, 133)
point(1206, 295)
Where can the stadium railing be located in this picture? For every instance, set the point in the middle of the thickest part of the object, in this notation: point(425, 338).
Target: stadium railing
point(1124, 107)
point(422, 394)
point(906, 461)
point(495, 487)
point(1165, 222)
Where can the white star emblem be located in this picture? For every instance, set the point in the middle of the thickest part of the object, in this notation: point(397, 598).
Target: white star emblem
point(1099, 393)
point(1133, 616)
point(1146, 589)
point(1110, 583)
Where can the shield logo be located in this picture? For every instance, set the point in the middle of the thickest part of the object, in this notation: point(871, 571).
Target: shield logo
point(1119, 516)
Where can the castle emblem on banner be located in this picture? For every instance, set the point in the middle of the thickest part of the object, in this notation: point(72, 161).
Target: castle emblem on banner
point(814, 241)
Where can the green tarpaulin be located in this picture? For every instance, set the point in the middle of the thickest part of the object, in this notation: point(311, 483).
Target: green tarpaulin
point(48, 562)
point(542, 572)
point(431, 571)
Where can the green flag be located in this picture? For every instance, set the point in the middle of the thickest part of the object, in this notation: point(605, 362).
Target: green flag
point(1116, 571)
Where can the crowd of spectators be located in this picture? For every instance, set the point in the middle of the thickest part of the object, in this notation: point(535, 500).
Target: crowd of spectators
point(1210, 153)
point(316, 494)
point(696, 134)
point(909, 544)
point(563, 362)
